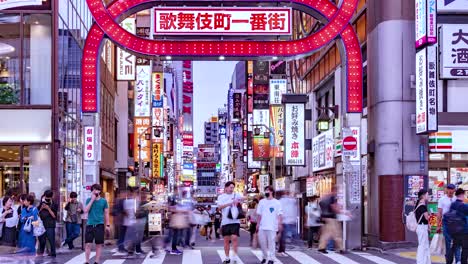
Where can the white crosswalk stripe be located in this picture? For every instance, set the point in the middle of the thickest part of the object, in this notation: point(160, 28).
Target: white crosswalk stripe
point(156, 259)
point(340, 258)
point(302, 257)
point(114, 261)
point(259, 255)
point(222, 255)
point(192, 257)
point(373, 258)
point(80, 259)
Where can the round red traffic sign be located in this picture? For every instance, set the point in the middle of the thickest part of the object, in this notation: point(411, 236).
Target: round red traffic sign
point(350, 143)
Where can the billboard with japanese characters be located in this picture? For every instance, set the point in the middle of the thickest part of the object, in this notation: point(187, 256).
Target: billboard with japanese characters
point(277, 130)
point(89, 146)
point(222, 21)
point(142, 92)
point(140, 126)
point(426, 90)
point(125, 61)
point(454, 51)
point(294, 143)
point(426, 24)
point(158, 89)
point(277, 88)
point(452, 6)
point(323, 148)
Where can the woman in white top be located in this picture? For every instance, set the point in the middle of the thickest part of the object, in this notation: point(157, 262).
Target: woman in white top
point(8, 222)
point(312, 211)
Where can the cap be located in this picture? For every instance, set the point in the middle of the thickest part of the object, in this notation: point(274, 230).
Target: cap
point(450, 186)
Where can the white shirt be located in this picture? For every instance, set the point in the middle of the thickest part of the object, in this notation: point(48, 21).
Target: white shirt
point(289, 207)
point(269, 210)
point(130, 210)
point(227, 199)
point(445, 202)
point(12, 221)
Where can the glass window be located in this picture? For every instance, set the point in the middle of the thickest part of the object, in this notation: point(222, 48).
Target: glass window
point(437, 156)
point(437, 181)
point(10, 169)
point(459, 156)
point(37, 59)
point(10, 46)
point(459, 177)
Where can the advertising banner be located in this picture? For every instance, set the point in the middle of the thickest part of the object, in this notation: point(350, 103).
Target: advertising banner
point(454, 50)
point(261, 71)
point(260, 144)
point(142, 91)
point(89, 139)
point(294, 135)
point(426, 24)
point(452, 6)
point(277, 88)
point(158, 160)
point(125, 61)
point(261, 148)
point(261, 98)
point(187, 95)
point(323, 148)
point(278, 68)
point(158, 89)
point(237, 107)
point(426, 90)
point(222, 21)
point(252, 184)
point(277, 128)
point(251, 163)
point(141, 125)
point(264, 181)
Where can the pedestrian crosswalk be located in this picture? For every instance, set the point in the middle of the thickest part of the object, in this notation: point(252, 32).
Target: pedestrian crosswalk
point(246, 256)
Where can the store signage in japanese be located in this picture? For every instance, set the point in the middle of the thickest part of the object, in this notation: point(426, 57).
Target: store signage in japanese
point(261, 97)
point(222, 21)
point(426, 24)
point(449, 140)
point(187, 96)
point(142, 92)
point(278, 68)
point(261, 72)
point(5, 4)
point(261, 145)
point(426, 90)
point(277, 88)
point(454, 51)
point(252, 184)
point(158, 88)
point(277, 128)
point(323, 147)
point(89, 147)
point(158, 122)
point(158, 162)
point(353, 178)
point(280, 184)
point(126, 62)
point(294, 134)
point(264, 181)
point(251, 163)
point(141, 125)
point(452, 6)
point(310, 187)
point(237, 108)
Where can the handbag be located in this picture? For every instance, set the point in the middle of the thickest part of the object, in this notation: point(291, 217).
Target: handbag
point(28, 225)
point(39, 228)
point(438, 245)
point(236, 215)
point(202, 231)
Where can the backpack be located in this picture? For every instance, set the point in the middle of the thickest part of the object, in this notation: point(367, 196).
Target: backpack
point(454, 222)
point(411, 222)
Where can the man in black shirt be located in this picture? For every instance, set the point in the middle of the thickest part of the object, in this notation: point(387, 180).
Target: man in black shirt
point(48, 213)
point(332, 228)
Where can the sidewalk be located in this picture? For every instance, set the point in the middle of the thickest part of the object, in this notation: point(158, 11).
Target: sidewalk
point(410, 253)
point(6, 250)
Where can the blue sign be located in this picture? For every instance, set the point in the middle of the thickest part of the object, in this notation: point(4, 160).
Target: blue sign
point(158, 103)
point(188, 166)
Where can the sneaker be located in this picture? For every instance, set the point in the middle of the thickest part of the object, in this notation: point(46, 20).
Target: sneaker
point(176, 252)
point(282, 254)
point(141, 253)
point(270, 262)
point(263, 261)
point(324, 251)
point(63, 243)
point(226, 261)
point(343, 252)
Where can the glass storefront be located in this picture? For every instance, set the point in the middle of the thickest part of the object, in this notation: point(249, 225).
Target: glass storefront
point(25, 169)
point(447, 168)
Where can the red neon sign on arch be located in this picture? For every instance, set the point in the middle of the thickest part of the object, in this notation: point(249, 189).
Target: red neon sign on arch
point(105, 24)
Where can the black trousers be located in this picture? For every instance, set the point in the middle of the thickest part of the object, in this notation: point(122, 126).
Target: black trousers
point(459, 240)
point(310, 236)
point(49, 235)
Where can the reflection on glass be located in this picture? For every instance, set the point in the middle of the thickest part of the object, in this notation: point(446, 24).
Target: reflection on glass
point(10, 169)
point(37, 56)
point(9, 59)
point(459, 177)
point(437, 182)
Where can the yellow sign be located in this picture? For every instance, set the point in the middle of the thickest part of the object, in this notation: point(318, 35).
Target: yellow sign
point(141, 125)
point(157, 159)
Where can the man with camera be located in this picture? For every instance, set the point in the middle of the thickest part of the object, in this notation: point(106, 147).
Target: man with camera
point(48, 214)
point(98, 215)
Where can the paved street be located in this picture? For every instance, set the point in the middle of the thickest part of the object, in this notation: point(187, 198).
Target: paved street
point(211, 252)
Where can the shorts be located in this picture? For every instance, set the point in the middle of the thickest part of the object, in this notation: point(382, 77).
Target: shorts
point(95, 234)
point(209, 224)
point(230, 230)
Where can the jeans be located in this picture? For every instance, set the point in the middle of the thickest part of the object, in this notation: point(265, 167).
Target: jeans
point(73, 232)
point(121, 240)
point(448, 246)
point(50, 236)
point(288, 232)
point(175, 237)
point(459, 241)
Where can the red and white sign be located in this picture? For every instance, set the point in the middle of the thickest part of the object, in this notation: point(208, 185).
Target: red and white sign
point(230, 21)
point(350, 143)
point(89, 143)
point(187, 97)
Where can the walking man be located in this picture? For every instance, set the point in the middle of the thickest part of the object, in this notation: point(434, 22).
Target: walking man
point(48, 214)
point(98, 215)
point(331, 229)
point(460, 240)
point(269, 213)
point(289, 217)
point(230, 226)
point(73, 220)
point(443, 206)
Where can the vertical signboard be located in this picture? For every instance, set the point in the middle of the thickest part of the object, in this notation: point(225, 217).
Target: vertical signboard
point(426, 90)
point(237, 106)
point(426, 24)
point(251, 163)
point(294, 134)
point(277, 129)
point(187, 95)
point(157, 160)
point(323, 148)
point(431, 21)
point(277, 88)
point(89, 143)
point(261, 72)
point(260, 96)
point(142, 91)
point(454, 51)
point(261, 145)
point(125, 61)
point(158, 89)
point(141, 125)
point(264, 181)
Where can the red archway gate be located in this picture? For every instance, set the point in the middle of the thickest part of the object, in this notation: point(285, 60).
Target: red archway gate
point(106, 25)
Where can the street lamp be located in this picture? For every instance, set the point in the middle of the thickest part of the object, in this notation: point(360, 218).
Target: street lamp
point(323, 121)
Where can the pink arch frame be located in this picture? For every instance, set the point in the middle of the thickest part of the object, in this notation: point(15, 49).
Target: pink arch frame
point(106, 25)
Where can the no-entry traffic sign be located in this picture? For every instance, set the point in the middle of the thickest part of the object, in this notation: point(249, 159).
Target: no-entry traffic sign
point(350, 143)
